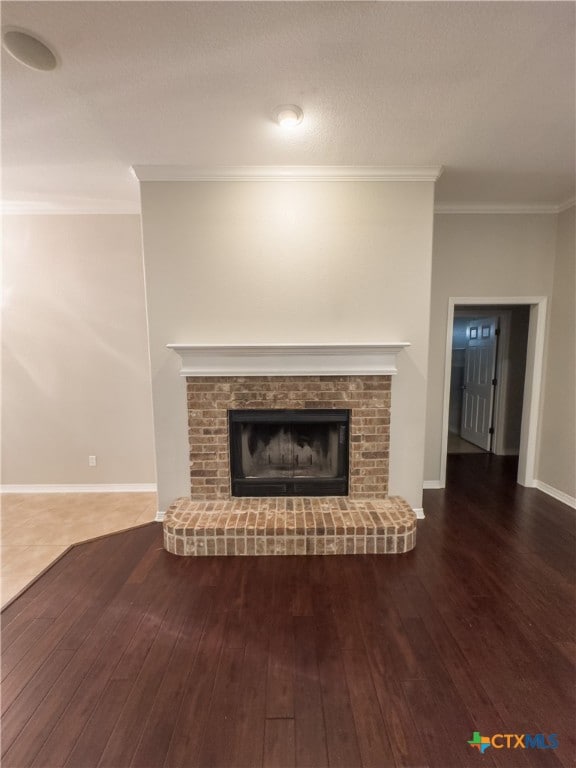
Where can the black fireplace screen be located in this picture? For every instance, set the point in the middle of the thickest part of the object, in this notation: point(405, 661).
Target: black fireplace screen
point(289, 452)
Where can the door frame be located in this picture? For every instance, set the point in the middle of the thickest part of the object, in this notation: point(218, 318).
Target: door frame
point(532, 381)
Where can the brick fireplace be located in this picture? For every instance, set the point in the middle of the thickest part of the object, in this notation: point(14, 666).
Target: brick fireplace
point(210, 398)
point(212, 521)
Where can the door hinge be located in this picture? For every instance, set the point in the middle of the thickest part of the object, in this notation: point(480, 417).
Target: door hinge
point(491, 431)
point(494, 382)
point(497, 332)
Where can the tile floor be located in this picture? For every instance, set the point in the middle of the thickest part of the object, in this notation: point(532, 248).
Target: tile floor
point(457, 444)
point(38, 528)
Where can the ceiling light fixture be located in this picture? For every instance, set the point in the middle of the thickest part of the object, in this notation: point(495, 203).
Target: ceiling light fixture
point(28, 50)
point(288, 115)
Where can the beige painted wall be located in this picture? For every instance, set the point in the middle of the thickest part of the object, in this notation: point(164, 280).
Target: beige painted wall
point(480, 255)
point(260, 261)
point(76, 375)
point(557, 449)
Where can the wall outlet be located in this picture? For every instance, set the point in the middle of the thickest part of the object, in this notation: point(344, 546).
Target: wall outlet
point(91, 461)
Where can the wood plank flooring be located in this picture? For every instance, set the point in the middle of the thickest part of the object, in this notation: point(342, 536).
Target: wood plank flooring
point(124, 655)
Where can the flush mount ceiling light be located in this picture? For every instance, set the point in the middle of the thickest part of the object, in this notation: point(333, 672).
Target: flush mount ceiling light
point(28, 50)
point(288, 115)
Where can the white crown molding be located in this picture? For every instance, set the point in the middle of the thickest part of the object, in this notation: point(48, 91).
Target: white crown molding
point(16, 208)
point(288, 173)
point(80, 488)
point(289, 359)
point(570, 203)
point(502, 208)
point(270, 173)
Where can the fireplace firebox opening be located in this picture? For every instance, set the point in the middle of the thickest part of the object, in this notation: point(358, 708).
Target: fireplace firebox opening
point(289, 452)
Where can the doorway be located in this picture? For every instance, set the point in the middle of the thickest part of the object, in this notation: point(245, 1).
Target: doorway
point(489, 346)
point(500, 415)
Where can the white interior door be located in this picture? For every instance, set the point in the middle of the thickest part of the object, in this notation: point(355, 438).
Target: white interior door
point(479, 372)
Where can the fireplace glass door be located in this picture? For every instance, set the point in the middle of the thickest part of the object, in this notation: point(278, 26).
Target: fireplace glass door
point(289, 452)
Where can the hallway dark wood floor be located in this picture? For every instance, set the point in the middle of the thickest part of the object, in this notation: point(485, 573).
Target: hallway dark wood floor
point(124, 655)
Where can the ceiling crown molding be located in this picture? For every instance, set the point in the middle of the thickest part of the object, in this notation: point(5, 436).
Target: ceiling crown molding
point(288, 173)
point(567, 204)
point(53, 208)
point(502, 208)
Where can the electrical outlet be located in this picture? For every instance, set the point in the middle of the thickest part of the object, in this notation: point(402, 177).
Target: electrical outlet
point(91, 461)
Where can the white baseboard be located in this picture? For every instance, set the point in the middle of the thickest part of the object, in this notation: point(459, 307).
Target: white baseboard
point(555, 493)
point(429, 485)
point(79, 488)
point(419, 512)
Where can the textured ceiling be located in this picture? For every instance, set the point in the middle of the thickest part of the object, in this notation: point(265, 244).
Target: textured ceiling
point(485, 89)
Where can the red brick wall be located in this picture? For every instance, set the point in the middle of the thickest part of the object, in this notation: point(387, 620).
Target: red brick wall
point(210, 398)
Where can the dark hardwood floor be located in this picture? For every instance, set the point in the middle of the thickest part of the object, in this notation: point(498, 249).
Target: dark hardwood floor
point(124, 655)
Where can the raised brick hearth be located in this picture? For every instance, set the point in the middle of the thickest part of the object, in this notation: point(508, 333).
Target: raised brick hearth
point(290, 526)
point(212, 522)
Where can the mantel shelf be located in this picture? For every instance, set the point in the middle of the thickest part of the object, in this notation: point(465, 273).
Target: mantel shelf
point(363, 359)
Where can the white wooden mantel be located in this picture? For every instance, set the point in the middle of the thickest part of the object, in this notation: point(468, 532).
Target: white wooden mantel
point(369, 359)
